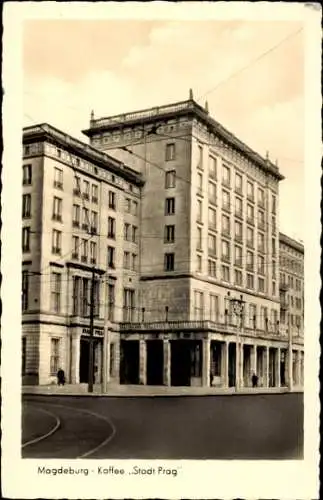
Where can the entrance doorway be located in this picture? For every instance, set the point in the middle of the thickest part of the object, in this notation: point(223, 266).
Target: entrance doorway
point(180, 362)
point(232, 365)
point(272, 372)
point(129, 362)
point(155, 362)
point(282, 368)
point(85, 360)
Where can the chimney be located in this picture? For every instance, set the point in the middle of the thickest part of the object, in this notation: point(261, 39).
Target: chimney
point(92, 117)
point(191, 95)
point(206, 107)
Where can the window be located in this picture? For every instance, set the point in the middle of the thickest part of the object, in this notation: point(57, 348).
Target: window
point(198, 305)
point(273, 285)
point(111, 301)
point(212, 193)
point(225, 200)
point(169, 236)
point(250, 237)
point(261, 219)
point(212, 268)
point(225, 272)
point(128, 205)
point(85, 254)
point(263, 318)
point(170, 179)
point(128, 305)
point(238, 277)
point(250, 214)
point(54, 356)
point(170, 152)
point(56, 242)
point(112, 228)
point(238, 206)
point(134, 262)
point(261, 285)
point(77, 190)
point(225, 225)
point(198, 263)
point(56, 283)
point(238, 256)
point(26, 239)
point(85, 223)
point(214, 307)
point(250, 281)
point(134, 208)
point(212, 218)
point(212, 167)
point(199, 211)
point(200, 183)
point(261, 265)
point(126, 260)
point(26, 205)
point(111, 257)
point(250, 261)
point(75, 246)
point(199, 238)
point(126, 231)
point(238, 183)
point(273, 204)
point(94, 222)
point(86, 190)
point(226, 175)
point(95, 191)
point(112, 200)
point(250, 191)
point(261, 242)
point(212, 244)
point(58, 178)
point(261, 197)
point(238, 231)
point(76, 216)
point(84, 300)
point(273, 223)
point(57, 209)
point(225, 250)
point(169, 263)
point(252, 316)
point(273, 247)
point(25, 290)
point(200, 157)
point(59, 153)
point(134, 234)
point(169, 206)
point(93, 252)
point(23, 355)
point(27, 174)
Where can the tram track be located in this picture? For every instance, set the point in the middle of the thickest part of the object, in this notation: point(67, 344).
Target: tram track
point(77, 433)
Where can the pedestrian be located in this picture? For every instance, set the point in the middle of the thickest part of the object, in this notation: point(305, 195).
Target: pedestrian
point(60, 377)
point(254, 380)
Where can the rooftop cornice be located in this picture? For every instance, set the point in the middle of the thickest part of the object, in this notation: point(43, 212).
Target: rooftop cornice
point(297, 245)
point(44, 131)
point(182, 108)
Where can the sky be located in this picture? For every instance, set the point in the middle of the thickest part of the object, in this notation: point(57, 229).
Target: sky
point(250, 72)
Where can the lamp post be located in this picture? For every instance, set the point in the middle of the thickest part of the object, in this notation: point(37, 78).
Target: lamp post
point(237, 307)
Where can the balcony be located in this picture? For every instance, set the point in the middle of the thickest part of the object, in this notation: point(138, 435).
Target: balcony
point(58, 185)
point(283, 287)
point(197, 326)
point(76, 192)
point(284, 305)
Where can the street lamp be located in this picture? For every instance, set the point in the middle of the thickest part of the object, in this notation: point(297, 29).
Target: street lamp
point(237, 307)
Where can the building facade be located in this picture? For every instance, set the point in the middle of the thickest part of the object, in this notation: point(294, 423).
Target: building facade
point(291, 285)
point(208, 302)
point(77, 202)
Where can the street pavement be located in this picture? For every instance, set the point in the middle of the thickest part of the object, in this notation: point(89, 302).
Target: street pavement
point(258, 426)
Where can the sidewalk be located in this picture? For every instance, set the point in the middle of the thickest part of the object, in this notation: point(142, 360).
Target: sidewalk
point(149, 391)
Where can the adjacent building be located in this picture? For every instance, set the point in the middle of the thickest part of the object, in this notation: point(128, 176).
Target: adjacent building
point(80, 213)
point(208, 294)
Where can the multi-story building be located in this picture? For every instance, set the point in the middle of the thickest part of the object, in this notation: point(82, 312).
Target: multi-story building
point(291, 285)
point(80, 215)
point(209, 303)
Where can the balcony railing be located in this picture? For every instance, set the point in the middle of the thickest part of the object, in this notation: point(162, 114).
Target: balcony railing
point(199, 326)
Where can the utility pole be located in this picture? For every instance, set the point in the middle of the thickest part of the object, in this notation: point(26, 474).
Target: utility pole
point(91, 353)
point(290, 356)
point(238, 309)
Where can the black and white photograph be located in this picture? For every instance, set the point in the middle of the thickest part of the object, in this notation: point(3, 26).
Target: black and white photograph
point(162, 226)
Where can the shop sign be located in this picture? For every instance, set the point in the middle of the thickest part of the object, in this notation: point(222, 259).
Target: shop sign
point(97, 333)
